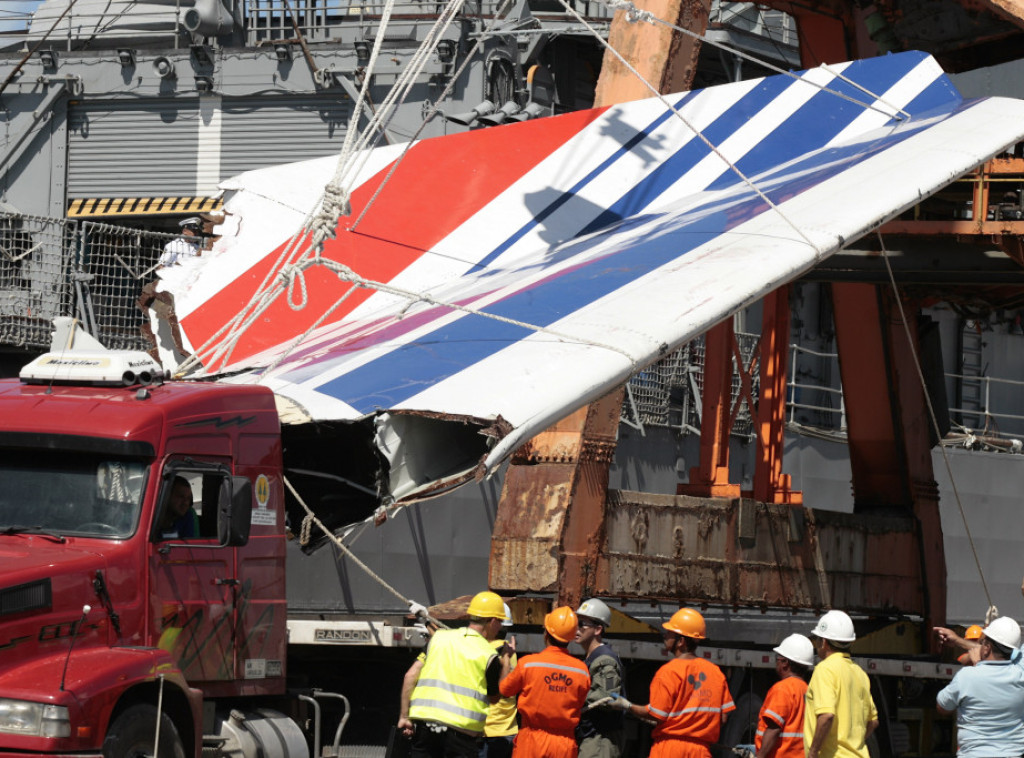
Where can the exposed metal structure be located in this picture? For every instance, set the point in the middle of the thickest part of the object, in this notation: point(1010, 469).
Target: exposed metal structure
point(889, 441)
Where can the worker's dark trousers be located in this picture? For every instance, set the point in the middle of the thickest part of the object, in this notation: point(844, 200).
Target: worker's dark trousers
point(450, 743)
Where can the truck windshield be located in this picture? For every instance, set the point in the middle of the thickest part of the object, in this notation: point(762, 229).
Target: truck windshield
point(64, 493)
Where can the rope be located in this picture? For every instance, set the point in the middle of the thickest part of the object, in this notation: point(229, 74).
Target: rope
point(687, 124)
point(305, 531)
point(335, 201)
point(315, 325)
point(347, 275)
point(333, 198)
point(432, 111)
point(634, 15)
point(320, 224)
point(935, 425)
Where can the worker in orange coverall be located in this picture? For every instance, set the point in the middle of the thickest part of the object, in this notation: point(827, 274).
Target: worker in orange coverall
point(972, 634)
point(690, 700)
point(780, 724)
point(552, 687)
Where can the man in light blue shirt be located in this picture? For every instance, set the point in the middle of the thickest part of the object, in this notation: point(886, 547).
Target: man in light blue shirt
point(988, 698)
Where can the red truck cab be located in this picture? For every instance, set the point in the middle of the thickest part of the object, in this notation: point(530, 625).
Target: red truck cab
point(142, 569)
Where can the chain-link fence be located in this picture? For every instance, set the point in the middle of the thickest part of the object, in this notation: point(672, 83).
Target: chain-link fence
point(112, 264)
point(34, 277)
point(59, 267)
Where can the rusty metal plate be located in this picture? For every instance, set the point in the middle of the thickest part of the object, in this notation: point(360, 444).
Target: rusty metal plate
point(741, 552)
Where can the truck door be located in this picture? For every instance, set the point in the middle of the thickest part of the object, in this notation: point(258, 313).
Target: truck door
point(194, 578)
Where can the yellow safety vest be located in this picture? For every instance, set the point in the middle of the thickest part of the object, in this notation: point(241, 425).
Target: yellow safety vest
point(452, 688)
point(501, 716)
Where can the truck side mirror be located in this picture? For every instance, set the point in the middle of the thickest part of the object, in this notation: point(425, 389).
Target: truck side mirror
point(235, 515)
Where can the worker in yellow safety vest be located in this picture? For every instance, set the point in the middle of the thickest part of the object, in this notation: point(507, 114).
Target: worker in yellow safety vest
point(444, 705)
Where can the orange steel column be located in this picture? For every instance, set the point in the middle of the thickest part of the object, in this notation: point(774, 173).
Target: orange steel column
point(711, 477)
point(823, 38)
point(770, 484)
point(877, 461)
point(887, 423)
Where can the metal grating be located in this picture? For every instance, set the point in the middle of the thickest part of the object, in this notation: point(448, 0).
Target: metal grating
point(668, 393)
point(26, 597)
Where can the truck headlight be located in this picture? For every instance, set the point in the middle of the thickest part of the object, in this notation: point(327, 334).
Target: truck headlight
point(34, 719)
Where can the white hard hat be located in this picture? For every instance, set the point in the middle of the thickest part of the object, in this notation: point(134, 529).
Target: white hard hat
point(1005, 631)
point(597, 610)
point(835, 626)
point(507, 621)
point(797, 648)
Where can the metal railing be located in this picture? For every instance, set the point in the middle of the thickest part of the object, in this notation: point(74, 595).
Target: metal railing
point(668, 394)
point(318, 20)
point(35, 285)
point(116, 21)
point(111, 266)
point(96, 272)
point(990, 398)
point(822, 405)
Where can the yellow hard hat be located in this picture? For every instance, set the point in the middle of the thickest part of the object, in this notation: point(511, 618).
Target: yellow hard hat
point(687, 622)
point(561, 624)
point(487, 605)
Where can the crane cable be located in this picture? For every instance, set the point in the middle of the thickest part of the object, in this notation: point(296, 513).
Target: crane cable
point(678, 115)
point(992, 611)
point(635, 15)
point(222, 345)
point(335, 198)
point(310, 519)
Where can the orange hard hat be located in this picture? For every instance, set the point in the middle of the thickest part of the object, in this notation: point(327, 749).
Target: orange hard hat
point(973, 632)
point(687, 622)
point(561, 624)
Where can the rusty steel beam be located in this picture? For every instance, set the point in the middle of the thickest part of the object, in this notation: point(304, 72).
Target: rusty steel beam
point(550, 522)
point(825, 36)
point(664, 58)
point(551, 513)
point(741, 552)
point(1010, 10)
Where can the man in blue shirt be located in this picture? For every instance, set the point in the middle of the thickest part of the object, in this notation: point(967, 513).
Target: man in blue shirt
point(180, 520)
point(988, 698)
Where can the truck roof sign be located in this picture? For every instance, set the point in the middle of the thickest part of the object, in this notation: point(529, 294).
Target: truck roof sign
point(92, 367)
point(76, 357)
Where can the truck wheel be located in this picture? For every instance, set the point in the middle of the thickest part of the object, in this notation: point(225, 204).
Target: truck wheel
point(131, 735)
